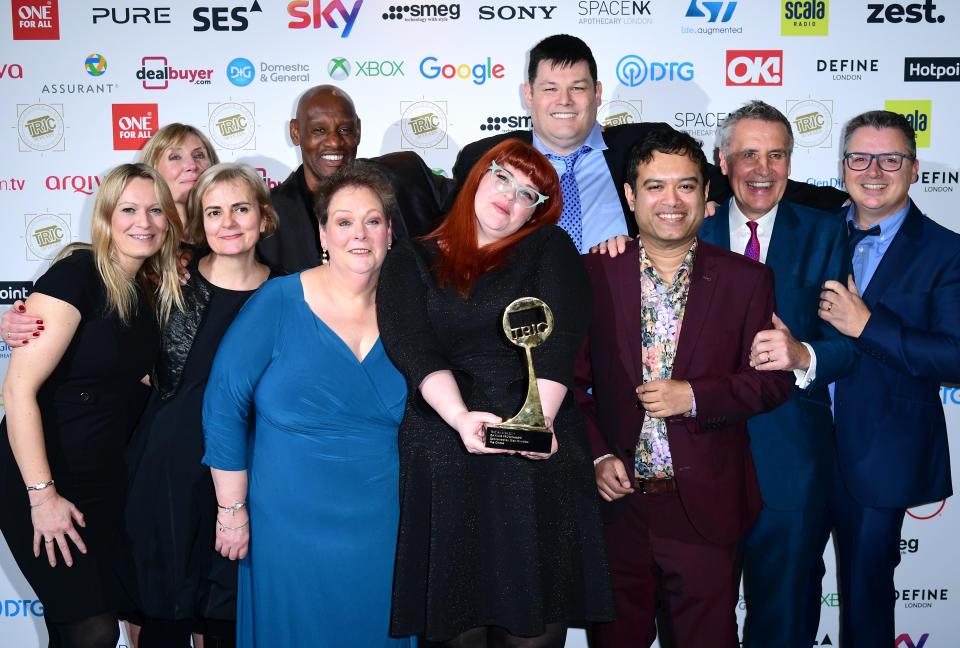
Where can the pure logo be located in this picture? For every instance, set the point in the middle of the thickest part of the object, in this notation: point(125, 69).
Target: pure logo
point(722, 11)
point(321, 15)
point(133, 15)
point(632, 71)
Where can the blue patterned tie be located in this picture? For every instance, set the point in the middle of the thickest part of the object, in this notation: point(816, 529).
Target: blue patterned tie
point(571, 220)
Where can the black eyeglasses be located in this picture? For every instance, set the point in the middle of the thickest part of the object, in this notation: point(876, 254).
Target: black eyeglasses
point(887, 161)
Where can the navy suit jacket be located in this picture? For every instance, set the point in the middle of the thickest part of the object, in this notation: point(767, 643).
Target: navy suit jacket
point(793, 445)
point(891, 432)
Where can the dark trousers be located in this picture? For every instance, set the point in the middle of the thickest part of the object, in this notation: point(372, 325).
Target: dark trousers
point(657, 557)
point(867, 542)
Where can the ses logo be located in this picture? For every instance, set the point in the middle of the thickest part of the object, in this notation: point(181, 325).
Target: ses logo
point(423, 124)
point(754, 67)
point(805, 18)
point(620, 111)
point(232, 125)
point(35, 19)
point(156, 74)
point(895, 12)
point(931, 69)
point(510, 123)
point(633, 71)
point(480, 72)
point(340, 68)
point(41, 127)
point(812, 122)
point(918, 113)
point(46, 235)
point(423, 12)
point(223, 18)
point(906, 641)
point(516, 12)
point(11, 291)
point(615, 12)
point(320, 14)
point(133, 125)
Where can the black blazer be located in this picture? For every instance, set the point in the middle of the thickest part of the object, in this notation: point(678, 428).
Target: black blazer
point(619, 140)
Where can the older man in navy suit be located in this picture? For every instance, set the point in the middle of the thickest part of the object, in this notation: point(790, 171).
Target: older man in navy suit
point(792, 446)
point(891, 436)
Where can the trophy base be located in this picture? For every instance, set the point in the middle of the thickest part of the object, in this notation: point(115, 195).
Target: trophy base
point(519, 438)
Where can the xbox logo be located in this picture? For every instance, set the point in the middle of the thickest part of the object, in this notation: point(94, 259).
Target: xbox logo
point(339, 68)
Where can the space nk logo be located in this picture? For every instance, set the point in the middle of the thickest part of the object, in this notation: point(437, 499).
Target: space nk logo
point(633, 70)
point(35, 19)
point(754, 67)
point(223, 18)
point(321, 14)
point(133, 125)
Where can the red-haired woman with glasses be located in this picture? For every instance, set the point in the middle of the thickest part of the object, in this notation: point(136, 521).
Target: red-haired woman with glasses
point(496, 548)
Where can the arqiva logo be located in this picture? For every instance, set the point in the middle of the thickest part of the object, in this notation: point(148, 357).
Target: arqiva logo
point(133, 125)
point(36, 19)
point(320, 14)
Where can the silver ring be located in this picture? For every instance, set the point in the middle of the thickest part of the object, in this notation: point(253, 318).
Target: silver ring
point(48, 542)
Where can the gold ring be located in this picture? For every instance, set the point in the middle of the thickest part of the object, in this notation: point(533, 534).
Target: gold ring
point(829, 306)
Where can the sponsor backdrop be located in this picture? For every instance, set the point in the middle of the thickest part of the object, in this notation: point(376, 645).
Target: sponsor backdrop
point(85, 84)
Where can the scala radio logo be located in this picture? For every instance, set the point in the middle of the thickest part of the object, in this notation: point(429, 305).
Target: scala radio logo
point(223, 18)
point(232, 125)
point(40, 127)
point(633, 71)
point(133, 125)
point(754, 67)
point(156, 74)
point(805, 18)
point(812, 122)
point(316, 14)
point(423, 124)
point(919, 113)
point(620, 111)
point(712, 11)
point(46, 235)
point(35, 19)
point(95, 65)
point(422, 13)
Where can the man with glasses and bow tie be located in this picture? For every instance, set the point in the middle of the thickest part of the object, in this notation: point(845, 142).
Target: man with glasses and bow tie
point(891, 436)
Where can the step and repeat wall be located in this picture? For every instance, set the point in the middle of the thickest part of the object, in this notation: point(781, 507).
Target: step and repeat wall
point(84, 84)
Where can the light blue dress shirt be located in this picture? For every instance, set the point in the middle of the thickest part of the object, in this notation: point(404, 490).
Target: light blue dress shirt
point(870, 249)
point(599, 197)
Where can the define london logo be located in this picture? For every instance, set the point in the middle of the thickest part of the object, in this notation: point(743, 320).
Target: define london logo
point(35, 20)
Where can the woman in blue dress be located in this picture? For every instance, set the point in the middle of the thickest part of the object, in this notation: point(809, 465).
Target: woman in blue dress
point(300, 420)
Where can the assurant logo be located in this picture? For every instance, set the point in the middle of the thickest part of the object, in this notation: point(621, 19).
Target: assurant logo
point(95, 65)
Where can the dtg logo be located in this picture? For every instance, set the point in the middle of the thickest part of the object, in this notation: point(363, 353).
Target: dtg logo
point(633, 70)
point(919, 113)
point(905, 641)
point(320, 14)
point(754, 67)
point(713, 8)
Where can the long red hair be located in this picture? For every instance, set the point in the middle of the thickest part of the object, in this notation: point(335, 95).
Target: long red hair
point(460, 261)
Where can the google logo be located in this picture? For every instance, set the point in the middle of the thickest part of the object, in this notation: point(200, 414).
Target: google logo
point(431, 69)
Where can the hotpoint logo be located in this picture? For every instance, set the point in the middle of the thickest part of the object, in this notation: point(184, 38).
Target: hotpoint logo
point(712, 11)
point(805, 18)
point(240, 72)
point(508, 123)
point(11, 291)
point(320, 15)
point(633, 71)
point(156, 74)
point(931, 69)
point(920, 115)
point(480, 72)
point(423, 12)
point(95, 65)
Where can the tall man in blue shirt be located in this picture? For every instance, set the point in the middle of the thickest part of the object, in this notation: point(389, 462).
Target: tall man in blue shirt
point(891, 436)
point(562, 93)
point(792, 446)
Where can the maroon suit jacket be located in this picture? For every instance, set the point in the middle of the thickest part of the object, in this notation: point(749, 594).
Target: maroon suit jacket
point(730, 299)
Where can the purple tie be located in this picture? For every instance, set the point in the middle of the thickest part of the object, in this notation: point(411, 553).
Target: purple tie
point(753, 245)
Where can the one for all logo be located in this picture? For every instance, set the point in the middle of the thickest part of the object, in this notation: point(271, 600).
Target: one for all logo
point(40, 127)
point(35, 19)
point(133, 125)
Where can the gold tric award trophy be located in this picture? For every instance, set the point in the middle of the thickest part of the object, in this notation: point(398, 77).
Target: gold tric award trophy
point(527, 430)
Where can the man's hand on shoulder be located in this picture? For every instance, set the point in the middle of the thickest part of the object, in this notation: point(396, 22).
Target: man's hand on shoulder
point(613, 246)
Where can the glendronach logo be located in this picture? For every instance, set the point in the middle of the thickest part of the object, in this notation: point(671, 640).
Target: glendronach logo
point(35, 19)
point(156, 74)
point(40, 127)
point(46, 234)
point(11, 291)
point(423, 13)
point(133, 125)
point(323, 14)
point(232, 125)
point(423, 124)
point(619, 111)
point(931, 69)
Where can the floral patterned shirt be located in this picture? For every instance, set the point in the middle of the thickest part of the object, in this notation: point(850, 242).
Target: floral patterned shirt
point(662, 307)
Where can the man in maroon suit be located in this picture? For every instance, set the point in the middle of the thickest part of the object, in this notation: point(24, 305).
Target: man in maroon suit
point(666, 382)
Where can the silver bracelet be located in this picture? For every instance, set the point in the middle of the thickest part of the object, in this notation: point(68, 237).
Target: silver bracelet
point(221, 526)
point(40, 485)
point(50, 496)
point(237, 505)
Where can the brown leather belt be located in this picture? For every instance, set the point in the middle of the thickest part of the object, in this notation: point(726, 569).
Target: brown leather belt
point(655, 486)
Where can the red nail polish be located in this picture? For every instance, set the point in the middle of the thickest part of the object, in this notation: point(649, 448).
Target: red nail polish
point(35, 334)
point(39, 328)
point(21, 309)
point(39, 321)
point(25, 341)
